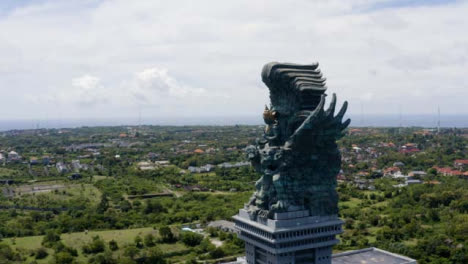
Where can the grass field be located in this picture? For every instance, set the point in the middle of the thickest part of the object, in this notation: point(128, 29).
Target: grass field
point(77, 240)
point(100, 177)
point(58, 197)
point(4, 172)
point(353, 202)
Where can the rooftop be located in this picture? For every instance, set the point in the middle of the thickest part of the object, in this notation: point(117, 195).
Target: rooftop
point(361, 256)
point(370, 256)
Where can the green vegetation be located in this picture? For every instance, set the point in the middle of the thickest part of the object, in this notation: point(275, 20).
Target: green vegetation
point(120, 210)
point(420, 221)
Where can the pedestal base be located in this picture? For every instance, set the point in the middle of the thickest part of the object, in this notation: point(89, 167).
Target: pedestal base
point(290, 238)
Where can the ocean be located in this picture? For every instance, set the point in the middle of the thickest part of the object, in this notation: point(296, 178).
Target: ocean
point(428, 121)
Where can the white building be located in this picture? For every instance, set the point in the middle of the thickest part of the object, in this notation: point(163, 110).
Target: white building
point(13, 156)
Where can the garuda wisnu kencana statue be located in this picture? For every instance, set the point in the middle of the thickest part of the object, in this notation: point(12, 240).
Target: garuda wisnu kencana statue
point(298, 157)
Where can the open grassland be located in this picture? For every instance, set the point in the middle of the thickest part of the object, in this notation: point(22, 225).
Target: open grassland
point(174, 251)
point(56, 194)
point(100, 177)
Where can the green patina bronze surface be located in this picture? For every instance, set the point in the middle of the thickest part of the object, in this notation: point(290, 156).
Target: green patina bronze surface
point(298, 156)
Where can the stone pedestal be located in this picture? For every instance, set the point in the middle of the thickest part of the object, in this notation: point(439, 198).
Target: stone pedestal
point(289, 238)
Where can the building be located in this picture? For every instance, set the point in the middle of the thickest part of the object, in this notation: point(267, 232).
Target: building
point(399, 175)
point(239, 260)
point(145, 165)
point(391, 171)
point(460, 164)
point(45, 160)
point(162, 163)
point(367, 255)
point(449, 172)
point(370, 256)
point(76, 165)
point(13, 156)
point(201, 169)
point(291, 237)
point(198, 151)
point(413, 181)
point(223, 225)
point(409, 148)
point(33, 161)
point(419, 174)
point(364, 184)
point(61, 167)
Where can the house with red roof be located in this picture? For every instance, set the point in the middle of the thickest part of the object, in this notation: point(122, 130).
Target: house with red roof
point(460, 164)
point(391, 171)
point(409, 148)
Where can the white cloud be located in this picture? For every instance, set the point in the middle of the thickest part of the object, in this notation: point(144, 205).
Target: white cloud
point(86, 91)
point(145, 88)
point(156, 82)
point(208, 55)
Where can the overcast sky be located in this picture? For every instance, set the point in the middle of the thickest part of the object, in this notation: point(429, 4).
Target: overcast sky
point(108, 59)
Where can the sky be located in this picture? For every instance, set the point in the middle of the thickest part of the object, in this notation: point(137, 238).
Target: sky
point(191, 59)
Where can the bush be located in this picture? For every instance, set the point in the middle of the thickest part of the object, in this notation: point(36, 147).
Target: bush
point(113, 245)
point(153, 206)
point(149, 240)
point(95, 246)
point(191, 239)
point(222, 235)
point(154, 256)
point(6, 253)
point(41, 253)
point(205, 246)
point(63, 258)
point(191, 261)
point(103, 258)
point(217, 253)
point(50, 238)
point(212, 231)
point(138, 242)
point(131, 251)
point(60, 247)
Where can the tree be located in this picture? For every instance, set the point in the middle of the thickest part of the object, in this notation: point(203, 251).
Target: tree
point(50, 238)
point(191, 261)
point(191, 239)
point(138, 242)
point(125, 206)
point(222, 235)
point(63, 258)
point(60, 247)
point(217, 253)
point(113, 245)
point(154, 256)
point(95, 246)
point(103, 258)
point(212, 231)
point(154, 207)
point(149, 240)
point(205, 246)
point(166, 234)
point(7, 254)
point(41, 253)
point(131, 251)
point(104, 204)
